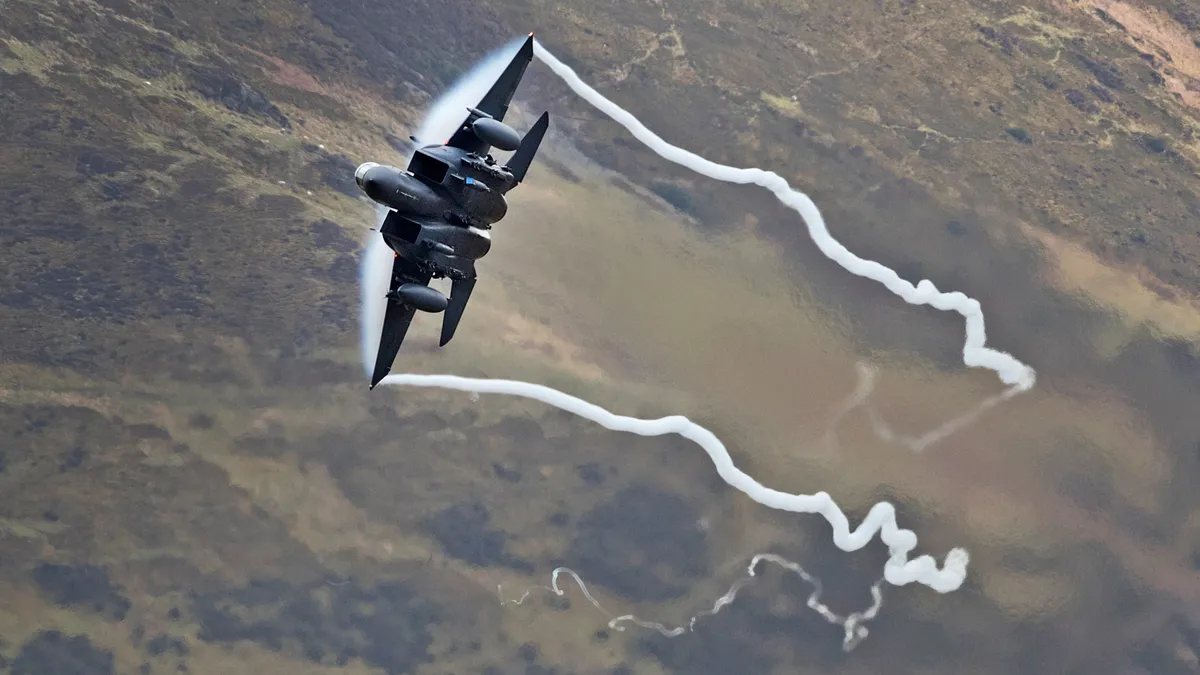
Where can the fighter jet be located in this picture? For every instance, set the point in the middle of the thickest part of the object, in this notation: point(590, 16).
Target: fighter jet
point(441, 207)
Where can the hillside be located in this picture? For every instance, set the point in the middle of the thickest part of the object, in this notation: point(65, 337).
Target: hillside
point(195, 478)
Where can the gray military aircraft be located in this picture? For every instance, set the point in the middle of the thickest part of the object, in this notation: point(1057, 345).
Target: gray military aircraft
point(441, 207)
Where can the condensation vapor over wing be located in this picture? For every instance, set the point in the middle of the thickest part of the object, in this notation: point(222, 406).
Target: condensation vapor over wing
point(443, 118)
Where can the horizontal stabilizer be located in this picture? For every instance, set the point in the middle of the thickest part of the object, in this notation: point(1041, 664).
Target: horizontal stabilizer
point(519, 163)
point(460, 293)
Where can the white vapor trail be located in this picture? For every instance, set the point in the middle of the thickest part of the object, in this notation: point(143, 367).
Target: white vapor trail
point(375, 271)
point(899, 570)
point(975, 354)
point(853, 624)
point(440, 122)
point(861, 397)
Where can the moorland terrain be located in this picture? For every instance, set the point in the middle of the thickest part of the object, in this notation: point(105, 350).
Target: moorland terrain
point(194, 478)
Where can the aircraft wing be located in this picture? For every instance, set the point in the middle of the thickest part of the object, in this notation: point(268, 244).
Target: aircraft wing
point(496, 101)
point(397, 318)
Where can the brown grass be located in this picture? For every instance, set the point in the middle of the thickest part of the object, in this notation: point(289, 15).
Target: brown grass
point(1179, 61)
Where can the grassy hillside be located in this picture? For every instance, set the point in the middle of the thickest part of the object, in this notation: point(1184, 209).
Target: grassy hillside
point(195, 478)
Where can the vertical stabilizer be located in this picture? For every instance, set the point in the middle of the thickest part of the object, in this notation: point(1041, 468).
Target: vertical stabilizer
point(519, 163)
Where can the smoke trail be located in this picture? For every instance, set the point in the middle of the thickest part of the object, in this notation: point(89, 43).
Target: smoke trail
point(919, 443)
point(855, 631)
point(975, 354)
point(861, 398)
point(443, 117)
point(866, 384)
point(898, 570)
point(881, 519)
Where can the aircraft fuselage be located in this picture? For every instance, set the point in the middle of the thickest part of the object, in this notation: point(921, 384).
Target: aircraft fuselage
point(446, 197)
point(441, 182)
point(441, 207)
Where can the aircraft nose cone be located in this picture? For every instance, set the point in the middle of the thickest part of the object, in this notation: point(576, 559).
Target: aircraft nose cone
point(361, 171)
